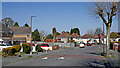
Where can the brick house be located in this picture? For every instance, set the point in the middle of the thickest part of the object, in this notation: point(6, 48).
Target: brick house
point(6, 34)
point(51, 40)
point(21, 34)
point(75, 37)
point(63, 37)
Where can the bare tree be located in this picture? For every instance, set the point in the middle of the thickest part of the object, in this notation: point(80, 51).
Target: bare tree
point(43, 35)
point(98, 32)
point(8, 21)
point(106, 11)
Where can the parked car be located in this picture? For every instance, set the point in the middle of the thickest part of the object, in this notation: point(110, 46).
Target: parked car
point(119, 48)
point(88, 44)
point(81, 45)
point(2, 46)
point(44, 45)
point(115, 45)
point(30, 44)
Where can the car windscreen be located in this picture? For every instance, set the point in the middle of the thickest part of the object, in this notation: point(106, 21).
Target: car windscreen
point(47, 45)
point(42, 44)
point(2, 45)
point(33, 44)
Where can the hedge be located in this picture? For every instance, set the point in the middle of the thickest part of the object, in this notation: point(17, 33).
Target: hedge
point(17, 48)
point(26, 48)
point(38, 48)
point(11, 50)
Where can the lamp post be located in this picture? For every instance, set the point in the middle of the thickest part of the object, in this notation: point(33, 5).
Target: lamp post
point(31, 35)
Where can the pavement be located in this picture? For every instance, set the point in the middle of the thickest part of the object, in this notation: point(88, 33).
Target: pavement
point(89, 56)
point(114, 60)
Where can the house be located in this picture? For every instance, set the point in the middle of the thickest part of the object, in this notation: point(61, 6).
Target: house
point(75, 37)
point(6, 34)
point(85, 38)
point(63, 37)
point(51, 40)
point(96, 37)
point(21, 34)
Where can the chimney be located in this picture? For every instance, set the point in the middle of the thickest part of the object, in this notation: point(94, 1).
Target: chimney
point(67, 32)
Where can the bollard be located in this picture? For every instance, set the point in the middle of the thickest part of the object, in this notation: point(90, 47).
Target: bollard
point(46, 52)
point(19, 54)
point(113, 47)
point(57, 46)
point(52, 47)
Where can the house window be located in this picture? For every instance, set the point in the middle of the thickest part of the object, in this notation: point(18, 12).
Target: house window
point(1, 34)
point(7, 34)
point(10, 35)
point(28, 35)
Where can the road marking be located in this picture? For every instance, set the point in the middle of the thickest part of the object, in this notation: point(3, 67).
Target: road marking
point(76, 56)
point(45, 58)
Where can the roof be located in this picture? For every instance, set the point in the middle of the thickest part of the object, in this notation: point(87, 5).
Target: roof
point(4, 28)
point(75, 35)
point(51, 40)
point(96, 36)
point(63, 35)
point(86, 36)
point(21, 30)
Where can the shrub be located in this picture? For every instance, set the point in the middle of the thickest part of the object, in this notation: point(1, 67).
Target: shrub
point(26, 48)
point(119, 42)
point(38, 48)
point(10, 51)
point(75, 43)
point(17, 48)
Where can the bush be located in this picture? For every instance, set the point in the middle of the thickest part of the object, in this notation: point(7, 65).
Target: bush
point(26, 48)
point(119, 42)
point(17, 48)
point(75, 43)
point(38, 48)
point(9, 51)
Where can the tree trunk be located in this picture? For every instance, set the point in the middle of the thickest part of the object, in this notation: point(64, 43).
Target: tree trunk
point(54, 39)
point(108, 41)
point(67, 39)
point(99, 38)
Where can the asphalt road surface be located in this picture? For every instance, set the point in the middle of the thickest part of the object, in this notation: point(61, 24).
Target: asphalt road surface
point(88, 56)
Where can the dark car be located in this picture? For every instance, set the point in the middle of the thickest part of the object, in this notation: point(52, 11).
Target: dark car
point(88, 44)
point(30, 44)
point(44, 45)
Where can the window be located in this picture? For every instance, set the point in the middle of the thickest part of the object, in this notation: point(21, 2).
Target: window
point(1, 34)
point(10, 35)
point(7, 34)
point(28, 35)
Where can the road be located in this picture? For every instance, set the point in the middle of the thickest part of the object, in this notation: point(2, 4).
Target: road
point(88, 56)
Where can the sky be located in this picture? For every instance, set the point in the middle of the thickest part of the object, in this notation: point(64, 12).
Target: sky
point(61, 15)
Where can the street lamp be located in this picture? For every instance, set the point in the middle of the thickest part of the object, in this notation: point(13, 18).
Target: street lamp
point(31, 35)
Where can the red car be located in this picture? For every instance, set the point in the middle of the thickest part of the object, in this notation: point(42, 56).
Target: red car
point(44, 45)
point(30, 44)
